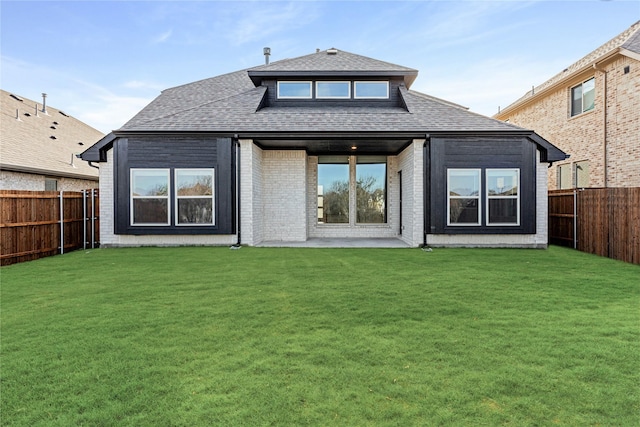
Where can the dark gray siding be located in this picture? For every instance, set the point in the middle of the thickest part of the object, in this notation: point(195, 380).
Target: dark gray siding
point(395, 100)
point(480, 153)
point(176, 151)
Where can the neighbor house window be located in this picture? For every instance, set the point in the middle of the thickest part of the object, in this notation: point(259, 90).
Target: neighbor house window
point(150, 196)
point(50, 184)
point(582, 174)
point(371, 90)
point(371, 189)
point(463, 193)
point(294, 90)
point(583, 97)
point(333, 89)
point(194, 196)
point(503, 196)
point(333, 190)
point(565, 179)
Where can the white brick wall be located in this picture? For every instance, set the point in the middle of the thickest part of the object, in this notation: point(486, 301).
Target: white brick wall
point(10, 180)
point(284, 198)
point(251, 230)
point(411, 163)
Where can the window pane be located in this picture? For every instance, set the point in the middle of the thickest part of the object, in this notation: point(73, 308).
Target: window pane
point(195, 211)
point(576, 100)
point(582, 174)
point(332, 90)
point(149, 182)
point(196, 182)
point(463, 211)
point(372, 89)
point(503, 211)
point(588, 95)
point(150, 211)
point(564, 178)
point(371, 192)
point(464, 183)
point(294, 89)
point(502, 183)
point(333, 193)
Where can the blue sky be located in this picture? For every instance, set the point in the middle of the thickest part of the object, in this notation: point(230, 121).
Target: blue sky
point(104, 61)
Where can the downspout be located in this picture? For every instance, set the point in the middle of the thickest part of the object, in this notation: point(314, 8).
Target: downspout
point(426, 190)
point(604, 123)
point(238, 193)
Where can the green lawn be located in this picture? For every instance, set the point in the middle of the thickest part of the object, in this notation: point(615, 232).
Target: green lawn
point(328, 337)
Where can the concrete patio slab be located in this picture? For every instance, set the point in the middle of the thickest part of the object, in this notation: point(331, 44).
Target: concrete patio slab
point(338, 243)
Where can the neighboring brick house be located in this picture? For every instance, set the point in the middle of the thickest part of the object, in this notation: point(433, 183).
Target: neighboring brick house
point(591, 111)
point(330, 144)
point(38, 147)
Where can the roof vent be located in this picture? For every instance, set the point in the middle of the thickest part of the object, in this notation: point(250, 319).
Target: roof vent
point(332, 51)
point(17, 98)
point(63, 113)
point(53, 137)
point(267, 52)
point(44, 103)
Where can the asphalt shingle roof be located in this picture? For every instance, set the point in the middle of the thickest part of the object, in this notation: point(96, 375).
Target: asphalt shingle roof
point(231, 103)
point(27, 144)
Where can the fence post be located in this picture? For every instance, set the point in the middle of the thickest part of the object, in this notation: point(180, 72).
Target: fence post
point(575, 218)
point(84, 219)
point(93, 218)
point(61, 222)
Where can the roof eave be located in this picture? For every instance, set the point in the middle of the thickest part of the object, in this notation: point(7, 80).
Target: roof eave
point(39, 171)
point(257, 76)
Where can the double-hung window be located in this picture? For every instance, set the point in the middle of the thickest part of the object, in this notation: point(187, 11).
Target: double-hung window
point(150, 197)
point(503, 197)
point(583, 97)
point(463, 193)
point(194, 196)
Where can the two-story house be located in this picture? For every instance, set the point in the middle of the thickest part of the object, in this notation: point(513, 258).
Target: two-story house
point(326, 145)
point(590, 110)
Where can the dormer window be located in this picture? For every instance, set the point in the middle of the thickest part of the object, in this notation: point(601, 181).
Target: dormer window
point(294, 90)
point(333, 90)
point(371, 90)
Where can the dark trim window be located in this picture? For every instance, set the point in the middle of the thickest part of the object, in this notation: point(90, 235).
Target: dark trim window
point(150, 197)
point(352, 190)
point(294, 90)
point(583, 97)
point(371, 90)
point(194, 196)
point(333, 90)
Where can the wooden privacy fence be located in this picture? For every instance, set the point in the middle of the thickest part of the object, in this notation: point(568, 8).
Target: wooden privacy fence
point(601, 221)
point(35, 224)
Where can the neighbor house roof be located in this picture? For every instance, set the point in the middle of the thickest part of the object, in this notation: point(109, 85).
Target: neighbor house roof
point(626, 43)
point(43, 143)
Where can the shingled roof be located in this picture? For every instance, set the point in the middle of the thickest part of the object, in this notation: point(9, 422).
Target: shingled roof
point(231, 103)
point(44, 143)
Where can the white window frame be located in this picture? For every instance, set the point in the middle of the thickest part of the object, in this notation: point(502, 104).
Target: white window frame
point(348, 96)
point(355, 89)
point(582, 110)
point(490, 197)
point(310, 83)
point(132, 197)
point(450, 197)
point(212, 196)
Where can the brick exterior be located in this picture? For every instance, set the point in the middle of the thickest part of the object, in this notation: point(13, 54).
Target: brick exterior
point(411, 163)
point(31, 182)
point(609, 133)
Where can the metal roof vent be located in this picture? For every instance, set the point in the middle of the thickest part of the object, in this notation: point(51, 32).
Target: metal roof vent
point(267, 52)
point(332, 51)
point(44, 103)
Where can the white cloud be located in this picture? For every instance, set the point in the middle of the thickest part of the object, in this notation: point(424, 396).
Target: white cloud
point(162, 37)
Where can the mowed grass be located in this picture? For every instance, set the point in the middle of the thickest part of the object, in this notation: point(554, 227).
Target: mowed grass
point(328, 337)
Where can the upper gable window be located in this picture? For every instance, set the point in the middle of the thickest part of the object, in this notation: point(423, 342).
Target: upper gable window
point(376, 90)
point(294, 90)
point(583, 97)
point(333, 89)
